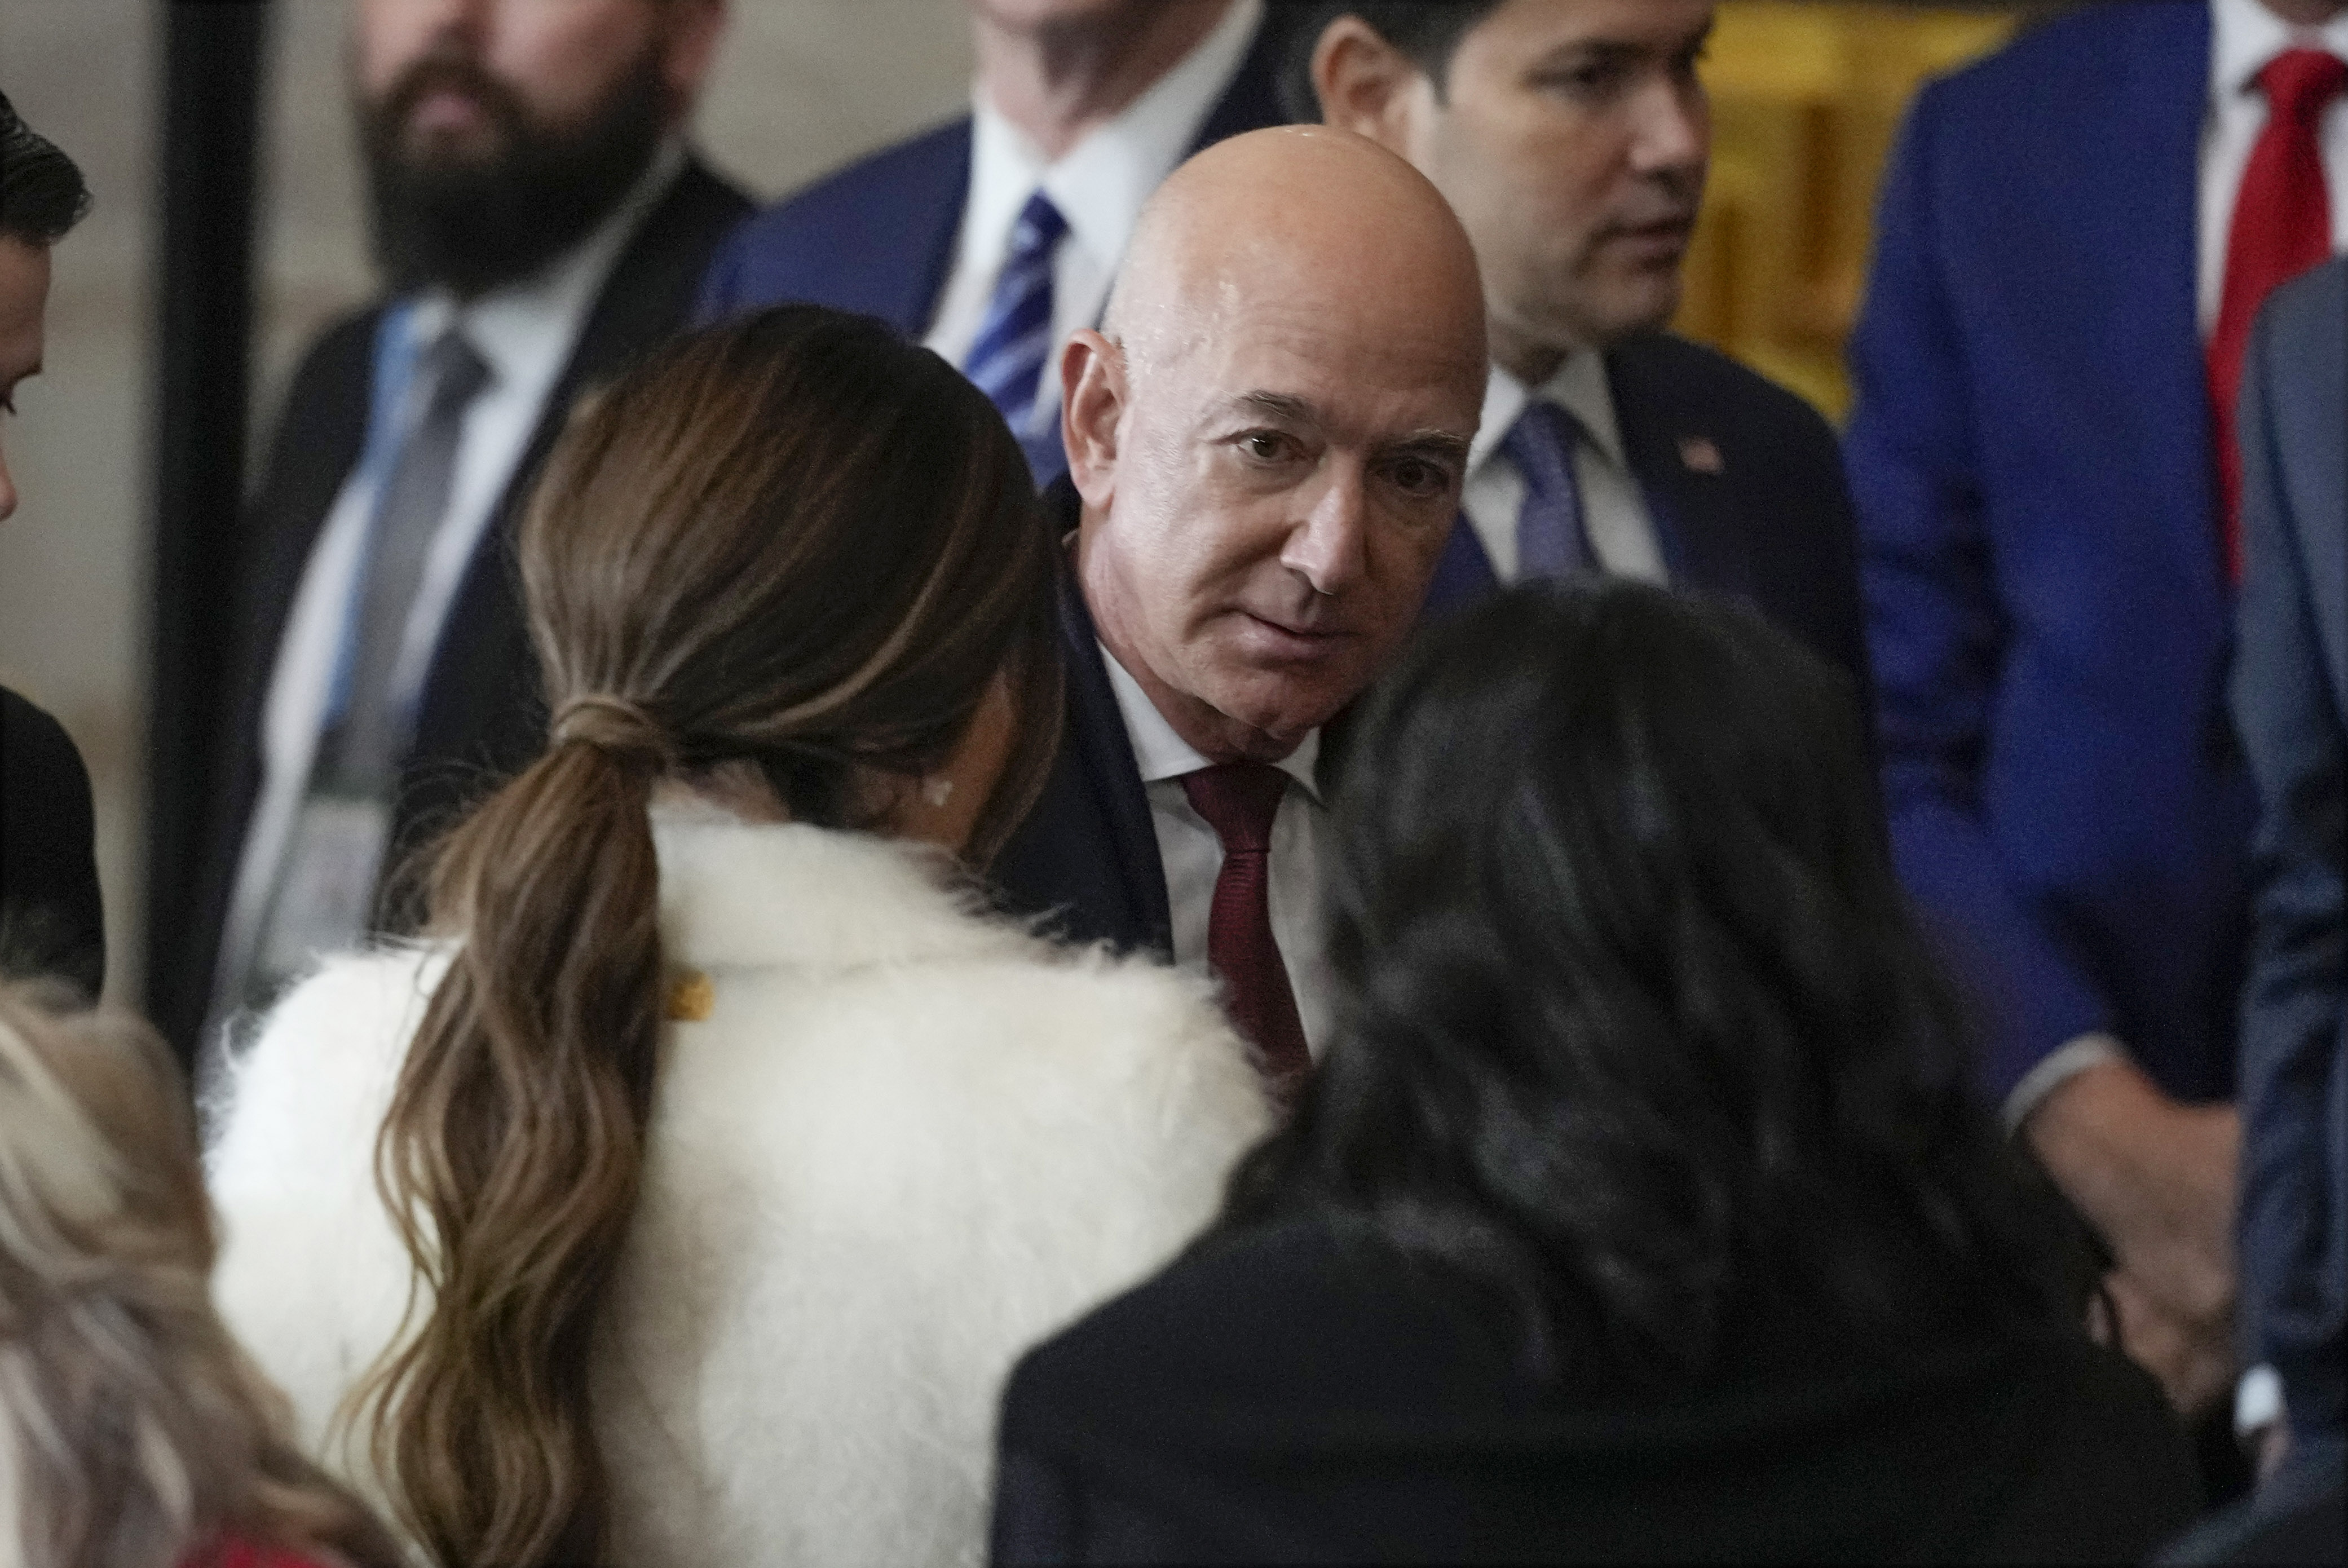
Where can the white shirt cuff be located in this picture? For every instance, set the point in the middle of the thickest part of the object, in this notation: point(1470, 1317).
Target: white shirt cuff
point(2258, 1400)
point(2057, 1067)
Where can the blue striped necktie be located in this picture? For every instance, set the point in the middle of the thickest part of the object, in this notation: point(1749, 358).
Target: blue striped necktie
point(1550, 541)
point(1007, 361)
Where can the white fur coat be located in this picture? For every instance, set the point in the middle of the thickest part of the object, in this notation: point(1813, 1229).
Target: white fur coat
point(906, 1144)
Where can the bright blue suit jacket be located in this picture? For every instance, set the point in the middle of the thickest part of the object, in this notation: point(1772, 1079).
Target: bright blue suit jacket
point(2290, 700)
point(2049, 617)
point(878, 237)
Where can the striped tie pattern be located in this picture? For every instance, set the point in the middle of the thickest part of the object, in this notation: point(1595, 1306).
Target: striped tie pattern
point(1550, 541)
point(1007, 361)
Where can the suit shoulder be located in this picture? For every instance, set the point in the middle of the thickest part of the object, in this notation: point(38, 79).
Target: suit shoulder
point(344, 347)
point(935, 159)
point(1695, 374)
point(2078, 49)
point(34, 744)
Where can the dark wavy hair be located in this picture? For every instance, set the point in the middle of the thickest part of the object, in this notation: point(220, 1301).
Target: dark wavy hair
point(1636, 1029)
point(1428, 31)
point(41, 193)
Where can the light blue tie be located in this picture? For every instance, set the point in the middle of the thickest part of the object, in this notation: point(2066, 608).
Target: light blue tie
point(1551, 539)
point(1007, 361)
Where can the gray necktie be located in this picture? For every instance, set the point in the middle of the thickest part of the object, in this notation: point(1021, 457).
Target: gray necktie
point(1550, 541)
point(360, 750)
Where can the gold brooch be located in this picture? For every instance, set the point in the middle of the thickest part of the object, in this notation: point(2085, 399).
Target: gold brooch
point(690, 997)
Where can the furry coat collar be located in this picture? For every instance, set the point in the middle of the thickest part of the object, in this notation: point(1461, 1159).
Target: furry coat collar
point(906, 1144)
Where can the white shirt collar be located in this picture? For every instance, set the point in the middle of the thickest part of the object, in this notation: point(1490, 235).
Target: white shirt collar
point(508, 325)
point(1100, 184)
point(1162, 754)
point(1579, 387)
point(2245, 36)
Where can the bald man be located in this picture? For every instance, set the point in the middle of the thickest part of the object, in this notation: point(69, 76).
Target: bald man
point(1266, 443)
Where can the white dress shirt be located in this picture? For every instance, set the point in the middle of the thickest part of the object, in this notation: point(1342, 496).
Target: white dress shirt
point(1613, 508)
point(526, 333)
point(2244, 36)
point(1193, 855)
point(1099, 186)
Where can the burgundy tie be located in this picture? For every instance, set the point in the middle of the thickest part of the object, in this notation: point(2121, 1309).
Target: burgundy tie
point(1239, 800)
point(2282, 227)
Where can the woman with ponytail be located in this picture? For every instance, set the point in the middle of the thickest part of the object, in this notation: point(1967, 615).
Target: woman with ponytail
point(684, 1197)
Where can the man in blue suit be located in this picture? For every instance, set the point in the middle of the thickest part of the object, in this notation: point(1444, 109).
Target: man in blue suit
point(2291, 704)
point(995, 237)
point(1572, 138)
point(2074, 236)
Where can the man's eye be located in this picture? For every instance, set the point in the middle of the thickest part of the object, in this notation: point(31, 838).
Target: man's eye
point(1585, 81)
point(1417, 476)
point(1265, 446)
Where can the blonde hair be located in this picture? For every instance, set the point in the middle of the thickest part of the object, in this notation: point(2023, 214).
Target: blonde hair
point(133, 1430)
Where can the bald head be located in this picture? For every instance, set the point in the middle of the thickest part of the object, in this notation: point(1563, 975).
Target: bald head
point(1330, 218)
point(1270, 433)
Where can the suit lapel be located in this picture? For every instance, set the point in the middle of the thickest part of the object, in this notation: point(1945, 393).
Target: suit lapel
point(907, 298)
point(2142, 217)
point(1675, 454)
point(1104, 750)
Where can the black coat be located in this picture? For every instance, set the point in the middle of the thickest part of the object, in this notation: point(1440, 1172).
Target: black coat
point(50, 923)
point(480, 717)
point(1280, 1397)
point(1745, 482)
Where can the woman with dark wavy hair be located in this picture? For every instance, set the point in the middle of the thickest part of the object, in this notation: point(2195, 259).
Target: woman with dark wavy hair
point(684, 1200)
point(1642, 1210)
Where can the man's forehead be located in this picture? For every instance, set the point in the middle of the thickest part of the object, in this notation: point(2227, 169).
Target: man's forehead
point(1560, 25)
point(1315, 363)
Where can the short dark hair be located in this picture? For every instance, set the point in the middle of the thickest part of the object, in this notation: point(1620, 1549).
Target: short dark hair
point(1636, 1031)
point(41, 193)
point(1428, 31)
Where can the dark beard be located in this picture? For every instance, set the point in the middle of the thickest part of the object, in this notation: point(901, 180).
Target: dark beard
point(470, 226)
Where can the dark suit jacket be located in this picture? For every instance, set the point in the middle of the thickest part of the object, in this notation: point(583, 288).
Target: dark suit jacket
point(50, 921)
point(1279, 1395)
point(1772, 526)
point(2291, 701)
point(480, 717)
point(1087, 856)
point(878, 237)
point(2049, 617)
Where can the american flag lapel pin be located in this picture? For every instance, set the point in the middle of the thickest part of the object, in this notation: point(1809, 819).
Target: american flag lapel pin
point(1700, 455)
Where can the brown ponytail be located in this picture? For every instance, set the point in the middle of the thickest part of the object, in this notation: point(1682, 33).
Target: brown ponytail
point(795, 541)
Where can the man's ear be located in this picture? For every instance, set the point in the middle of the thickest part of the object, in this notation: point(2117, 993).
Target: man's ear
point(1364, 83)
point(1092, 409)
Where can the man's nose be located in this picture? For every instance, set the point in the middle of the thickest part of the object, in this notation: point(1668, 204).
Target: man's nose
point(1329, 546)
point(7, 491)
point(1671, 128)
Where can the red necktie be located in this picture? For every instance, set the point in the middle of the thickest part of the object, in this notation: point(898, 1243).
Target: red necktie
point(2282, 227)
point(1239, 800)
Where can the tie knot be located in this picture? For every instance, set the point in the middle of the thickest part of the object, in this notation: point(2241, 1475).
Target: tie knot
point(1039, 228)
point(1540, 443)
point(2299, 82)
point(456, 369)
point(1239, 800)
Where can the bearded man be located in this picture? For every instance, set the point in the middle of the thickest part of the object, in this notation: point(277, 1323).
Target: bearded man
point(538, 219)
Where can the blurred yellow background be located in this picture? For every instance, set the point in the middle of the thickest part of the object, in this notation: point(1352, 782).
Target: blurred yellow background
point(1807, 98)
